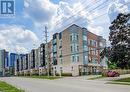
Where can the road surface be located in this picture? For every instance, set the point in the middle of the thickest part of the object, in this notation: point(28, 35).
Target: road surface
point(64, 85)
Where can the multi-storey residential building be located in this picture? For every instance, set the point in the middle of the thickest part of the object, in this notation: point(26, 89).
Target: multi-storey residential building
point(50, 57)
point(2, 63)
point(19, 65)
point(75, 50)
point(12, 60)
point(42, 64)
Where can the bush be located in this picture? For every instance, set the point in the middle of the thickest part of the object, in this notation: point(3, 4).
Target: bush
point(66, 74)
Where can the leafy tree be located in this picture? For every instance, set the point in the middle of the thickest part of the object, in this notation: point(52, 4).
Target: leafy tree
point(120, 41)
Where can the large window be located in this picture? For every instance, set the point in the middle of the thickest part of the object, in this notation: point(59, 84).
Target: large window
point(54, 41)
point(84, 37)
point(60, 35)
point(60, 44)
point(77, 48)
point(54, 48)
point(73, 58)
point(74, 37)
point(74, 47)
point(85, 47)
point(77, 58)
point(77, 37)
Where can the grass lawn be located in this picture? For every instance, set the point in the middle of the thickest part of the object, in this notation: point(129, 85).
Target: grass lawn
point(123, 80)
point(4, 87)
point(43, 77)
point(121, 83)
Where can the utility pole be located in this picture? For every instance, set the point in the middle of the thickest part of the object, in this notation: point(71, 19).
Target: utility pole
point(46, 50)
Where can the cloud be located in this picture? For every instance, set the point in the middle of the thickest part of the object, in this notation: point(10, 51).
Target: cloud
point(40, 10)
point(21, 49)
point(95, 29)
point(14, 38)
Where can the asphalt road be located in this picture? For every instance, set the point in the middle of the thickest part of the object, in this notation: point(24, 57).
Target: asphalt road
point(65, 85)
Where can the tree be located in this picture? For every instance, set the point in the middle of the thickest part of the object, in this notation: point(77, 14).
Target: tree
point(120, 41)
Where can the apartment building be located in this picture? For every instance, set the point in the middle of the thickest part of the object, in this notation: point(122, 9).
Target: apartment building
point(12, 60)
point(75, 50)
point(4, 62)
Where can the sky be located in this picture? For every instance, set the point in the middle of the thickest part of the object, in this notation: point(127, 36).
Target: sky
point(25, 31)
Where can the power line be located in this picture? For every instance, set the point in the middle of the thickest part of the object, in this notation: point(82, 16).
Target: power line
point(89, 11)
point(95, 17)
point(78, 11)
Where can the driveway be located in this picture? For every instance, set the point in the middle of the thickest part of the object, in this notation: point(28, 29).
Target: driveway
point(72, 84)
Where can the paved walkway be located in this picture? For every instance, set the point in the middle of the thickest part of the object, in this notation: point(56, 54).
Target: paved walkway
point(114, 78)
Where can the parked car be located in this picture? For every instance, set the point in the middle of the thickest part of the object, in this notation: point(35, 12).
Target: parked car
point(112, 74)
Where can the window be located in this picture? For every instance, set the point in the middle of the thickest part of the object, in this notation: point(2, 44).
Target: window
point(61, 61)
point(60, 35)
point(74, 37)
point(60, 44)
point(77, 37)
point(85, 47)
point(71, 38)
point(86, 58)
point(77, 48)
point(77, 59)
point(71, 48)
point(84, 37)
point(72, 58)
point(54, 48)
point(90, 42)
point(54, 41)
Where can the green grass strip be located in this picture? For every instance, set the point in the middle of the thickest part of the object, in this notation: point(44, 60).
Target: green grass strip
point(4, 87)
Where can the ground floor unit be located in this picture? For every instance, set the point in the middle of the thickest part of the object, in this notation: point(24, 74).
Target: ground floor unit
point(59, 70)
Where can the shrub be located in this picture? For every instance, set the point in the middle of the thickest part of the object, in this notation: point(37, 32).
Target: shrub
point(66, 74)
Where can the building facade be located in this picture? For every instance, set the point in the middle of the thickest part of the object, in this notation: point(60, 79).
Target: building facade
point(4, 63)
point(76, 51)
point(12, 60)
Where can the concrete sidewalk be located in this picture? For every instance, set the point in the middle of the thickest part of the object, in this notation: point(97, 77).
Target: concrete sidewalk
point(114, 78)
point(88, 77)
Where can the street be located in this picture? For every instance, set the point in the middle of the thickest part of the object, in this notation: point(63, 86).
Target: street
point(68, 84)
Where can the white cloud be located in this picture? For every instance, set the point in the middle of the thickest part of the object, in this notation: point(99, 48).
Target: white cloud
point(40, 10)
point(96, 29)
point(14, 37)
point(20, 49)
